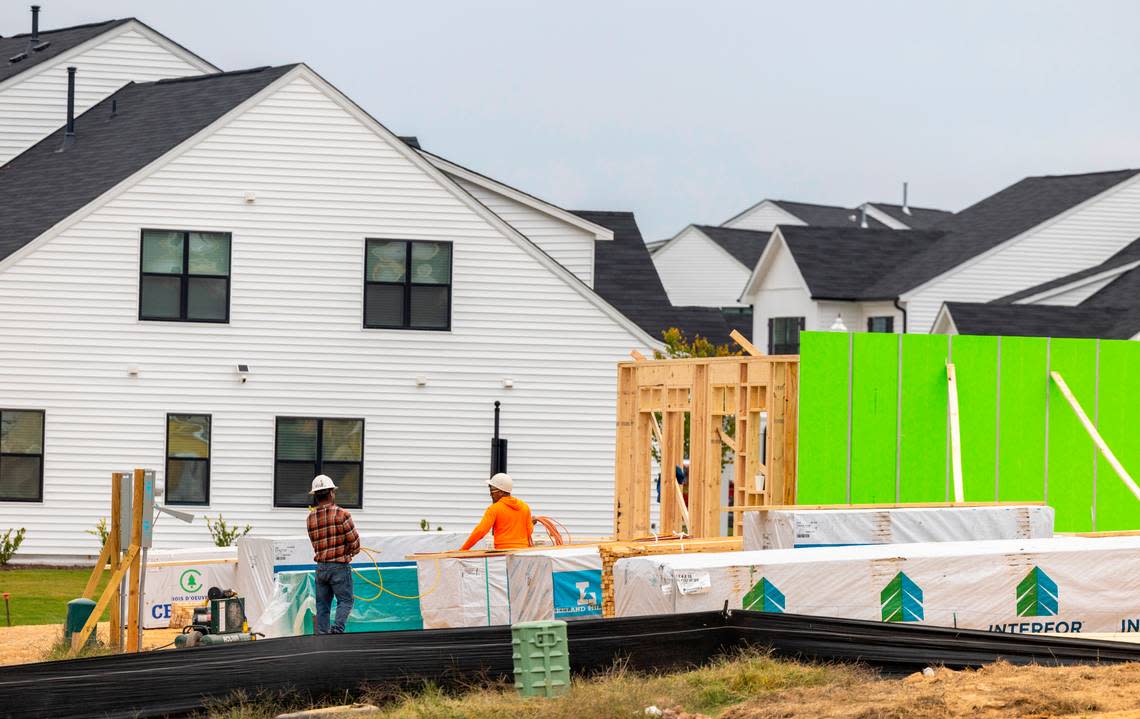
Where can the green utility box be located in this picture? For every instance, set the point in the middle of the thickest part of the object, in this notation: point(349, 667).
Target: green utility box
point(542, 658)
point(78, 611)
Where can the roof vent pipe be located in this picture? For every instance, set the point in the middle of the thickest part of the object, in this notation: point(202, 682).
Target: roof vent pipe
point(69, 134)
point(863, 217)
point(35, 24)
point(906, 207)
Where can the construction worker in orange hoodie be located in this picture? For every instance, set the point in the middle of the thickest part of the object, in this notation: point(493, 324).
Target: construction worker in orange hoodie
point(507, 516)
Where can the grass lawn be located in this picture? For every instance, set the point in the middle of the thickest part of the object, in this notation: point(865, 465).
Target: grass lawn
point(40, 596)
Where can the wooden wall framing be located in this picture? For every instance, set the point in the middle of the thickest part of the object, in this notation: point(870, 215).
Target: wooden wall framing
point(708, 390)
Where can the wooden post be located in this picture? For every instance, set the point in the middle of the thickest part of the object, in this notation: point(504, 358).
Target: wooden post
point(955, 433)
point(80, 638)
point(134, 631)
point(1096, 438)
point(747, 346)
point(113, 541)
point(623, 454)
point(704, 497)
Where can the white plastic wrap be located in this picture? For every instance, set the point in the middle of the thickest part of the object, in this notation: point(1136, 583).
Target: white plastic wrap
point(1064, 584)
point(470, 592)
point(784, 529)
point(561, 584)
point(261, 558)
point(184, 575)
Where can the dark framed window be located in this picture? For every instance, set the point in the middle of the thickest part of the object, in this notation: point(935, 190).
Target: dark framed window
point(407, 285)
point(784, 335)
point(308, 446)
point(21, 455)
point(185, 276)
point(881, 324)
point(188, 458)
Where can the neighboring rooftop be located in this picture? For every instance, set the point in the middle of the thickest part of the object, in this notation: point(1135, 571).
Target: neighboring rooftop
point(41, 186)
point(999, 217)
point(1128, 255)
point(826, 215)
point(625, 276)
point(916, 218)
point(52, 42)
point(976, 318)
point(845, 263)
point(745, 245)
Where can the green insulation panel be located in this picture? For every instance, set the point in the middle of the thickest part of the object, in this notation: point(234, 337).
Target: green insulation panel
point(874, 422)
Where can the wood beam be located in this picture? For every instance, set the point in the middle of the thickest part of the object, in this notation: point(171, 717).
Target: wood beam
point(955, 433)
point(1096, 438)
point(747, 346)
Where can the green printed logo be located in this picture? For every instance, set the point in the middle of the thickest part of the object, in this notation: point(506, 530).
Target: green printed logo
point(1037, 595)
point(764, 597)
point(190, 581)
point(901, 600)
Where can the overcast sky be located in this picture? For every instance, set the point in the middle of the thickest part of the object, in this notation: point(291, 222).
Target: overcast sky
point(691, 111)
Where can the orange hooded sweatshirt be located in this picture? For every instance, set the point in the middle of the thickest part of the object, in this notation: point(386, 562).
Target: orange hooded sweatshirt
point(510, 518)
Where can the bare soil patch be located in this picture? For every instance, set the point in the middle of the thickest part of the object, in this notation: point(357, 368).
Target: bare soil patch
point(31, 643)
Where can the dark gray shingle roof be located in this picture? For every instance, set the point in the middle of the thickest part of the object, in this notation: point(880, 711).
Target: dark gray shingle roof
point(919, 218)
point(976, 318)
point(999, 217)
point(41, 187)
point(745, 245)
point(60, 40)
point(844, 263)
point(625, 276)
point(826, 215)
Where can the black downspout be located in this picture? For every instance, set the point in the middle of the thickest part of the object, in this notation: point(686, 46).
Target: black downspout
point(902, 309)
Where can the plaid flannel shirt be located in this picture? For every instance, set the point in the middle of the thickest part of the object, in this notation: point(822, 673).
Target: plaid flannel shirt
point(333, 534)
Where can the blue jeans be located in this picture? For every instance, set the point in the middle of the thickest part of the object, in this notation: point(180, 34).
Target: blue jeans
point(333, 579)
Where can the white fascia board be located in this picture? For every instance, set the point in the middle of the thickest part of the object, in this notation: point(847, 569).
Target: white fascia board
point(150, 169)
point(141, 28)
point(876, 213)
point(487, 183)
point(753, 285)
point(1062, 289)
point(757, 206)
point(943, 322)
point(909, 294)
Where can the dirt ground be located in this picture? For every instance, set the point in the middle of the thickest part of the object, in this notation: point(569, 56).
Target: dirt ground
point(31, 643)
point(1000, 690)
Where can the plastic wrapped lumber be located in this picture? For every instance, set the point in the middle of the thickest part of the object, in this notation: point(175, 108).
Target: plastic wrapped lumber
point(557, 583)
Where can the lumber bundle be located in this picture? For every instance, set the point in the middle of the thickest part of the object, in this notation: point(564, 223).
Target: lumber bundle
point(613, 551)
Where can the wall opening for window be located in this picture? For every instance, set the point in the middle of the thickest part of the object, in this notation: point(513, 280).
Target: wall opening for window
point(881, 324)
point(308, 446)
point(407, 285)
point(784, 335)
point(188, 458)
point(185, 276)
point(21, 455)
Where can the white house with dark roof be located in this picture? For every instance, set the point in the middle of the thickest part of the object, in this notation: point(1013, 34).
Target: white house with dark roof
point(170, 304)
point(1025, 236)
point(106, 55)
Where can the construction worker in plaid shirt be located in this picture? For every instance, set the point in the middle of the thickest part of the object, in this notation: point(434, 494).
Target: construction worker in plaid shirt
point(335, 543)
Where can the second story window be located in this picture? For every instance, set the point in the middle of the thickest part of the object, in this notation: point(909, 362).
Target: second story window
point(407, 285)
point(185, 276)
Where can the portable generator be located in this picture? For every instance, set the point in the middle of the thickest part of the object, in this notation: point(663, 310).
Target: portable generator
point(221, 621)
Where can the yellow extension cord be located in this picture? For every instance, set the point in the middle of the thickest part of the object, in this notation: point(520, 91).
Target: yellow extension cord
point(380, 590)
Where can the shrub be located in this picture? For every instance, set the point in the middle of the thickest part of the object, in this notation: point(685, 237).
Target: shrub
point(9, 544)
point(223, 534)
point(426, 526)
point(101, 531)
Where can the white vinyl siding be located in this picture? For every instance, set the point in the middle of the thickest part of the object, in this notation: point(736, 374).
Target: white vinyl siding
point(34, 104)
point(1084, 237)
point(781, 293)
point(323, 183)
point(697, 271)
point(572, 247)
point(764, 217)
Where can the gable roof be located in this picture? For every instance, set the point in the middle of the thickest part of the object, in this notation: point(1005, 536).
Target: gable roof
point(40, 187)
point(1126, 256)
point(625, 276)
point(826, 215)
point(919, 218)
point(844, 263)
point(977, 318)
point(745, 246)
point(999, 217)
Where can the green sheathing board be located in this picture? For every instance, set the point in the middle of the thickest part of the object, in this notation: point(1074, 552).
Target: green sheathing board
point(1024, 386)
point(1119, 425)
point(975, 362)
point(874, 414)
point(1071, 460)
point(922, 433)
point(822, 471)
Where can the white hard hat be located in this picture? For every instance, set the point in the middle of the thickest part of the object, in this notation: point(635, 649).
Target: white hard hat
point(501, 481)
point(322, 481)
